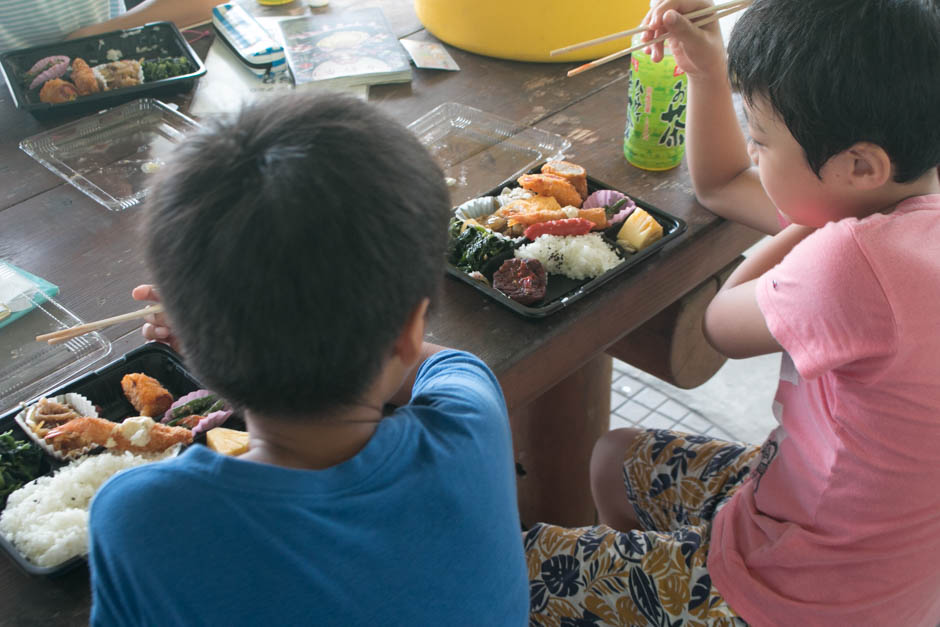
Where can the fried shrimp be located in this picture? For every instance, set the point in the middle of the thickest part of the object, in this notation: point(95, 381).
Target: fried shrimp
point(143, 435)
point(531, 210)
point(137, 435)
point(84, 78)
point(79, 434)
point(552, 185)
point(146, 394)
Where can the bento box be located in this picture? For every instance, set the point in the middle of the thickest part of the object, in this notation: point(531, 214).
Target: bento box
point(560, 290)
point(102, 389)
point(90, 73)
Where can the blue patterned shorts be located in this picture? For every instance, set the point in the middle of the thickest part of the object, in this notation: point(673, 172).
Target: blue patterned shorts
point(656, 576)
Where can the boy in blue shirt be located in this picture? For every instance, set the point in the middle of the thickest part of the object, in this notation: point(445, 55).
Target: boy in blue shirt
point(296, 249)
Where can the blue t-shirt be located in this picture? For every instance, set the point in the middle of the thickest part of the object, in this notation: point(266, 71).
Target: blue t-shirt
point(421, 527)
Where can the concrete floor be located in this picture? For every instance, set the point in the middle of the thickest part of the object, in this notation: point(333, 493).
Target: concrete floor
point(733, 405)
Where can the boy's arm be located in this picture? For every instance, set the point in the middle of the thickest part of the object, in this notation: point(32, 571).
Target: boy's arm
point(734, 325)
point(181, 12)
point(723, 176)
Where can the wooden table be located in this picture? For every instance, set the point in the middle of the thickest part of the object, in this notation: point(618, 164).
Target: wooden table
point(54, 231)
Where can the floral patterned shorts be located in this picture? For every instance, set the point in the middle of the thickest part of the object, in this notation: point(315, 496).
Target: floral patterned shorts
point(598, 576)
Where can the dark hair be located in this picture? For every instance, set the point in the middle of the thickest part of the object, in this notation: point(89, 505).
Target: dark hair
point(842, 71)
point(290, 243)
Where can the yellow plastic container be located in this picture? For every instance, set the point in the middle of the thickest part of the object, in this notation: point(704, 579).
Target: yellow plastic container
point(527, 30)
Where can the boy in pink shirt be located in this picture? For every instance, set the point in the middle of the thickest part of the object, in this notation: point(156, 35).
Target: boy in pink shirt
point(835, 520)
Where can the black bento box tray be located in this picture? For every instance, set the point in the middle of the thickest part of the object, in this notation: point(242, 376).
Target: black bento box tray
point(561, 291)
point(103, 388)
point(156, 39)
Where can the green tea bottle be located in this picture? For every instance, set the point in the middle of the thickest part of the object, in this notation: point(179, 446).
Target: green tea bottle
point(654, 138)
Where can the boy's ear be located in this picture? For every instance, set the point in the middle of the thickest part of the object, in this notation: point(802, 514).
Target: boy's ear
point(409, 342)
point(866, 166)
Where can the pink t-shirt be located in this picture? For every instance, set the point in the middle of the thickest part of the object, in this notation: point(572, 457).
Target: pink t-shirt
point(840, 522)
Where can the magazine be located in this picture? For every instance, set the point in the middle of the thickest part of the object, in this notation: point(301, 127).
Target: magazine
point(348, 48)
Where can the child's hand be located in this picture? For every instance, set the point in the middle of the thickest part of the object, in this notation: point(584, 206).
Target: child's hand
point(698, 50)
point(156, 326)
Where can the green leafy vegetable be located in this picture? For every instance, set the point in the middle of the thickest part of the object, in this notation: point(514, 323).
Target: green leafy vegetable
point(165, 67)
point(19, 464)
point(453, 229)
point(477, 248)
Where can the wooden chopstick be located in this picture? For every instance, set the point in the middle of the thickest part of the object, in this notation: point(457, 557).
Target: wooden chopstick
point(655, 40)
point(196, 25)
point(639, 29)
point(64, 335)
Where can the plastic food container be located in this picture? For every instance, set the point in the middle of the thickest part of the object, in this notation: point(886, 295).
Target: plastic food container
point(112, 155)
point(103, 388)
point(155, 40)
point(476, 150)
point(481, 153)
point(28, 368)
point(562, 291)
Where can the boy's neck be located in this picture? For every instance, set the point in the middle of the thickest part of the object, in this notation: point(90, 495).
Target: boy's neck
point(893, 194)
point(310, 442)
point(323, 439)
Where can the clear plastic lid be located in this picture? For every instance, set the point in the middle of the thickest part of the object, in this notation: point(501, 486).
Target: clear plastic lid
point(478, 150)
point(112, 155)
point(29, 368)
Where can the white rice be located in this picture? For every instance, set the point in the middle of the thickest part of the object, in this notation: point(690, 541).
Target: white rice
point(47, 519)
point(575, 256)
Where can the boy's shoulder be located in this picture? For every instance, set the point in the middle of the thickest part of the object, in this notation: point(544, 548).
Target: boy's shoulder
point(450, 366)
point(459, 379)
point(142, 487)
point(912, 223)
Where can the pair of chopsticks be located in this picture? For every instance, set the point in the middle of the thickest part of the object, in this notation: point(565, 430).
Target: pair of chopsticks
point(707, 15)
point(64, 335)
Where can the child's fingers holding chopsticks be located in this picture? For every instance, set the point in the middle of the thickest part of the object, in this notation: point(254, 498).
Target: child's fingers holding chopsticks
point(156, 327)
point(147, 292)
point(672, 18)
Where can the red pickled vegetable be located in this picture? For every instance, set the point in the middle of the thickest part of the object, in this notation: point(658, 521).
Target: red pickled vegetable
point(568, 226)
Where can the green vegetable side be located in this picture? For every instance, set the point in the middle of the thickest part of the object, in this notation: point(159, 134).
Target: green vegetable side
point(19, 464)
point(165, 67)
point(210, 402)
point(477, 249)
